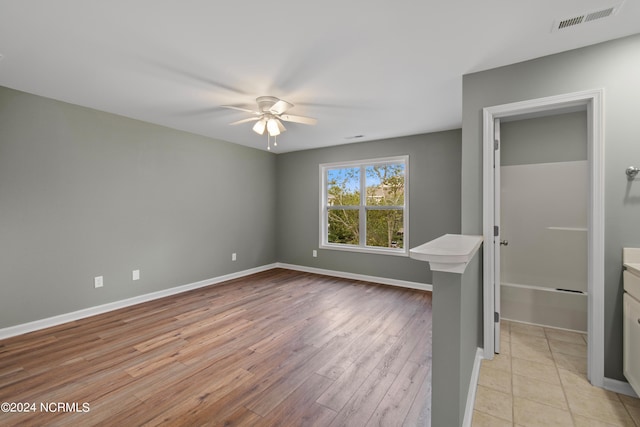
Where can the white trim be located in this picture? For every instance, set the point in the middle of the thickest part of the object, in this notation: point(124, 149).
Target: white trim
point(364, 249)
point(99, 309)
point(473, 387)
point(355, 276)
point(621, 387)
point(567, 229)
point(362, 207)
point(594, 100)
point(374, 161)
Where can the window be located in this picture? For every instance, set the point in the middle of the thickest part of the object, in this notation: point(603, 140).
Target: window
point(364, 206)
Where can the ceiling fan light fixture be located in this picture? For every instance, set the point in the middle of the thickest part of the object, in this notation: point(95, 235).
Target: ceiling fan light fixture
point(273, 128)
point(269, 116)
point(259, 127)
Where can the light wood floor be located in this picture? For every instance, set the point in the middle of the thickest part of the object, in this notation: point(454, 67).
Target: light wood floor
point(277, 348)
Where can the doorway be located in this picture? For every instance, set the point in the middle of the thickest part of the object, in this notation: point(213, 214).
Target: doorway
point(592, 102)
point(543, 220)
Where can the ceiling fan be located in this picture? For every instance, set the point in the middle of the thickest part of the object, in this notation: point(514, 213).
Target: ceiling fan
point(269, 117)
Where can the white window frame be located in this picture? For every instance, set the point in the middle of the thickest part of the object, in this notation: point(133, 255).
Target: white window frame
point(324, 209)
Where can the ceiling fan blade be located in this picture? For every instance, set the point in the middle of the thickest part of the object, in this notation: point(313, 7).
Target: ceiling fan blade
point(246, 110)
point(250, 119)
point(280, 107)
point(298, 119)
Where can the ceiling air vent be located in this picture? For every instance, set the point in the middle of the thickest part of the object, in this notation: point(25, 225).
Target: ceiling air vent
point(570, 22)
point(599, 14)
point(561, 24)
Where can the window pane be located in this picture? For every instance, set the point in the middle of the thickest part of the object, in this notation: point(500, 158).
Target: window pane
point(344, 226)
point(385, 228)
point(343, 187)
point(385, 185)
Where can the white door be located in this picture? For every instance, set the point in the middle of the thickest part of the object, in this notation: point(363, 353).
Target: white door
point(496, 234)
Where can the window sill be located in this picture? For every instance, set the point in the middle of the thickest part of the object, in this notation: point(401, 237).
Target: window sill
point(367, 250)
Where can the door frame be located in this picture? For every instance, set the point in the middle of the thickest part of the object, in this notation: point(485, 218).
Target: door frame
point(593, 100)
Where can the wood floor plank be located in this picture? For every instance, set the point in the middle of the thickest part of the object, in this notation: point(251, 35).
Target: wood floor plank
point(359, 409)
point(241, 417)
point(13, 375)
point(294, 409)
point(420, 411)
point(345, 386)
point(405, 347)
point(364, 329)
point(144, 387)
point(276, 348)
point(285, 385)
point(395, 405)
point(201, 394)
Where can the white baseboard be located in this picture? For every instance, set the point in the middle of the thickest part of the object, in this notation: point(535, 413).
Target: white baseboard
point(355, 276)
point(99, 309)
point(618, 386)
point(473, 387)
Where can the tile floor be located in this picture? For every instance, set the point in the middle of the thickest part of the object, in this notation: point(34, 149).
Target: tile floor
point(539, 379)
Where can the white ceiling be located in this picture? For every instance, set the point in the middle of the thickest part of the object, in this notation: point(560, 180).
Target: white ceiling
point(377, 68)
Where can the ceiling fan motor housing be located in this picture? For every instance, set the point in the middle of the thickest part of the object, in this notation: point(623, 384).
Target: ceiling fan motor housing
point(266, 102)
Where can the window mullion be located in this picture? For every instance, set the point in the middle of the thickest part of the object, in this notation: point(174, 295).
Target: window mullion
point(385, 208)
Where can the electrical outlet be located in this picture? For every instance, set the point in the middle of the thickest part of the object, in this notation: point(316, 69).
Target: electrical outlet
point(98, 281)
point(315, 253)
point(233, 257)
point(135, 275)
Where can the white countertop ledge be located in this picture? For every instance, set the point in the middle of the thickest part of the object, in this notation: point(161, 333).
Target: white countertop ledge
point(631, 259)
point(449, 253)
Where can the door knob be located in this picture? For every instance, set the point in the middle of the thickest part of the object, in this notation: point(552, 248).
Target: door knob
point(504, 242)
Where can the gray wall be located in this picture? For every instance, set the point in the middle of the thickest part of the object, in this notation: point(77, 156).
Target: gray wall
point(434, 204)
point(85, 193)
point(549, 139)
point(614, 66)
point(455, 341)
